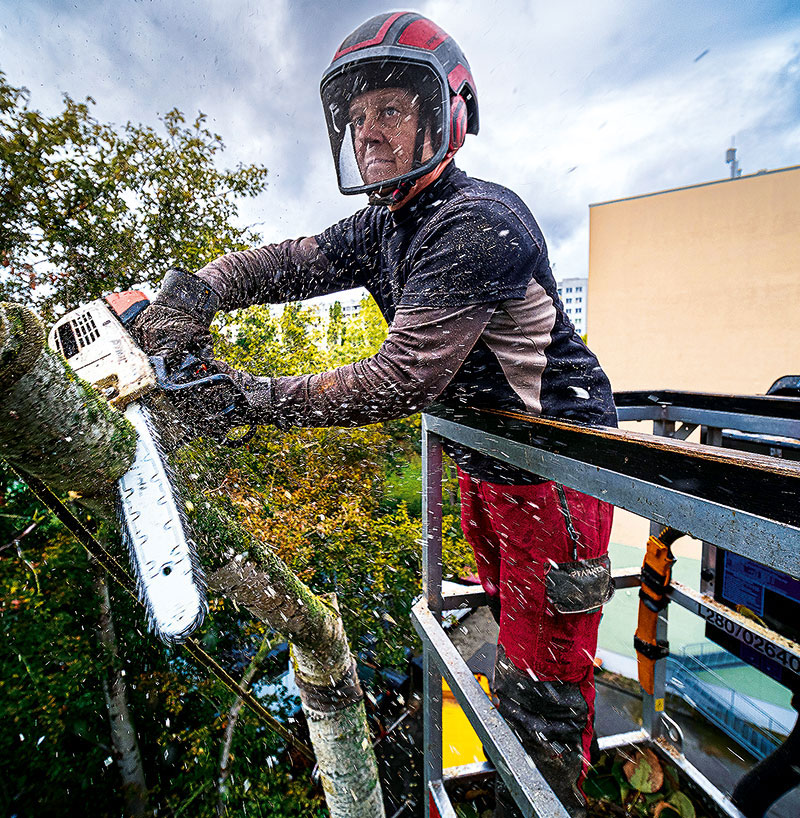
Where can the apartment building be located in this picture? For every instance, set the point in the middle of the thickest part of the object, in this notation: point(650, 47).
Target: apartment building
point(573, 293)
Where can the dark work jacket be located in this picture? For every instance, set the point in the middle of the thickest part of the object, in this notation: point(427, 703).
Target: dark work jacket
point(461, 242)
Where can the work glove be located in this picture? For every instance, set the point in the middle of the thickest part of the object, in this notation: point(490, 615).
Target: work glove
point(257, 404)
point(210, 398)
point(177, 321)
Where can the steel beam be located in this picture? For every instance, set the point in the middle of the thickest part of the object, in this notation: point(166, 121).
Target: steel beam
point(778, 407)
point(526, 784)
point(469, 772)
point(432, 587)
point(758, 424)
point(439, 801)
point(432, 517)
point(653, 703)
point(670, 754)
point(729, 420)
point(769, 644)
point(623, 739)
point(468, 598)
point(625, 413)
point(767, 541)
point(625, 578)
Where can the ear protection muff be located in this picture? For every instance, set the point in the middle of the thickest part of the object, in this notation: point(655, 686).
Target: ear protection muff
point(458, 123)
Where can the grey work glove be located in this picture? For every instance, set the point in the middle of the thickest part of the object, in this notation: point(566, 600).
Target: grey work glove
point(210, 399)
point(177, 321)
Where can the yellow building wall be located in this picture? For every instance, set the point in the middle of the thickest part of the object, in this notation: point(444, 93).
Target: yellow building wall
point(698, 288)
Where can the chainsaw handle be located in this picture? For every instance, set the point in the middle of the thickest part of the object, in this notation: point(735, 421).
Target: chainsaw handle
point(168, 385)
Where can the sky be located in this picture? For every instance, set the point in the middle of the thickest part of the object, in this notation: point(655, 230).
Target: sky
point(581, 101)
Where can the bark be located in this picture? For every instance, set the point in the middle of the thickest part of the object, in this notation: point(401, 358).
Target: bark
point(330, 694)
point(123, 733)
point(250, 677)
point(53, 425)
point(56, 427)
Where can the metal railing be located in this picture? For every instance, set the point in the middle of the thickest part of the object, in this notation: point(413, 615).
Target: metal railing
point(693, 678)
point(734, 500)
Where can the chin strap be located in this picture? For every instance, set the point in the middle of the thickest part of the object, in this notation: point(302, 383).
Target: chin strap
point(379, 197)
point(407, 189)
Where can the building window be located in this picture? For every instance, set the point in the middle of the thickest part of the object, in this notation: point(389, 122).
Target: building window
point(579, 301)
point(569, 301)
point(579, 289)
point(578, 311)
point(569, 289)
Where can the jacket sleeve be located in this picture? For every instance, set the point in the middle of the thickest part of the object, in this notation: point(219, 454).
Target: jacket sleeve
point(277, 273)
point(423, 351)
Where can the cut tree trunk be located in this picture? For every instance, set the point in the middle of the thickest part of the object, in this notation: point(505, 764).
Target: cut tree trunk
point(324, 668)
point(53, 425)
point(57, 428)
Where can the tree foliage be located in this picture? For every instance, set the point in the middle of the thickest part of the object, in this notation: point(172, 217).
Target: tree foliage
point(323, 498)
point(86, 207)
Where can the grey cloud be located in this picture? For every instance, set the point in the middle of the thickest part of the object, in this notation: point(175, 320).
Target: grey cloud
point(610, 89)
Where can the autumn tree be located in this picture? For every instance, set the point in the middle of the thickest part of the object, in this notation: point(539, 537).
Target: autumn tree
point(86, 207)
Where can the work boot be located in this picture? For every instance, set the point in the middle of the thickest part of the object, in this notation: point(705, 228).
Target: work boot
point(549, 719)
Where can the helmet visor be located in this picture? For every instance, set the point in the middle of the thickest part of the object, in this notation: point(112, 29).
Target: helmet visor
point(385, 122)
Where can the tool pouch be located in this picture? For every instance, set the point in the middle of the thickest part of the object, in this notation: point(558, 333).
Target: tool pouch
point(582, 586)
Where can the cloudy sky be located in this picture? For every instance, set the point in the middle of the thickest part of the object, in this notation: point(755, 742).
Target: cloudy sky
point(581, 101)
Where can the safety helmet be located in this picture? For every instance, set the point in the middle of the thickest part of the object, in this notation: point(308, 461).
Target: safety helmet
point(407, 51)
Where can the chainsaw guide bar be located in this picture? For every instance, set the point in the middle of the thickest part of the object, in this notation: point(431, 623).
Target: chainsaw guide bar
point(168, 576)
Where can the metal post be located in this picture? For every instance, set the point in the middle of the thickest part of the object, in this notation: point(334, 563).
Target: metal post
point(709, 436)
point(432, 519)
point(432, 591)
point(653, 706)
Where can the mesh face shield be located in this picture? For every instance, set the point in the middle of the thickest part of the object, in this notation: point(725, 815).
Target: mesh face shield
point(386, 122)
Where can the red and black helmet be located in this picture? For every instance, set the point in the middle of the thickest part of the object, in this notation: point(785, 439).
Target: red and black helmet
point(407, 51)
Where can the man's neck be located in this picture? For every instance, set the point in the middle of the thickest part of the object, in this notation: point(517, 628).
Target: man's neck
point(421, 183)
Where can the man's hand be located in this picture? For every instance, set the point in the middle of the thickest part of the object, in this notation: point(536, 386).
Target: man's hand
point(257, 406)
point(177, 321)
point(210, 398)
point(171, 333)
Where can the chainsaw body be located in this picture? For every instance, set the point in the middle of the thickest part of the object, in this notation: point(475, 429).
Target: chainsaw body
point(94, 340)
point(98, 347)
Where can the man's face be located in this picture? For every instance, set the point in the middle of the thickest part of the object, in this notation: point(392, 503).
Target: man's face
point(384, 132)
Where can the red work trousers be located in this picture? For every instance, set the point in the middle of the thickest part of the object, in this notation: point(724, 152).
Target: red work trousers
point(518, 534)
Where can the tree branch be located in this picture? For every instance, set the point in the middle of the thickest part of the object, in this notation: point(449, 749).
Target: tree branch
point(19, 535)
point(251, 675)
point(57, 428)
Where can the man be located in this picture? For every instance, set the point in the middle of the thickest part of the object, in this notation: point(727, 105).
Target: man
point(459, 269)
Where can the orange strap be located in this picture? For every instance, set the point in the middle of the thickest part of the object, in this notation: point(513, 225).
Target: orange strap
point(655, 580)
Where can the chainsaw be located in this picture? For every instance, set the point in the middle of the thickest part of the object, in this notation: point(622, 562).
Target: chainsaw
point(95, 341)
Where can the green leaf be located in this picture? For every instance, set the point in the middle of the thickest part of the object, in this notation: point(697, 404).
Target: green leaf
point(682, 804)
point(602, 787)
point(644, 771)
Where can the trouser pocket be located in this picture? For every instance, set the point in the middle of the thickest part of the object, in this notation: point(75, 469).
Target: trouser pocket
point(575, 593)
point(578, 587)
